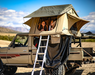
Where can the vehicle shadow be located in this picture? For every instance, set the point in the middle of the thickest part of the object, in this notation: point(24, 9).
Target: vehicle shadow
point(26, 73)
point(93, 73)
point(29, 73)
point(78, 72)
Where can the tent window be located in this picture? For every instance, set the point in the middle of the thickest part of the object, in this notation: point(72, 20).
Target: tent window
point(74, 28)
point(47, 23)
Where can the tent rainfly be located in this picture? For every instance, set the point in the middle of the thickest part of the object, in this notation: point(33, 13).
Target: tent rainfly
point(51, 11)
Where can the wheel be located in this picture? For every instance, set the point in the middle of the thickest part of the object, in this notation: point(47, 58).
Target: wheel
point(10, 70)
point(59, 71)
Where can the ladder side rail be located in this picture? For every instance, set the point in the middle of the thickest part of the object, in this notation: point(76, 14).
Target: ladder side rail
point(44, 56)
point(36, 55)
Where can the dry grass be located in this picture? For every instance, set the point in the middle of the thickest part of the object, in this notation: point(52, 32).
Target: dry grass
point(8, 34)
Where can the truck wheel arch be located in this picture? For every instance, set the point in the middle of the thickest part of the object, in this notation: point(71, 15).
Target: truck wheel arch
point(1, 64)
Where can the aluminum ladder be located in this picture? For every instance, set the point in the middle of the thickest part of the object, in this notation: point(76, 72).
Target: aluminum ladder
point(42, 53)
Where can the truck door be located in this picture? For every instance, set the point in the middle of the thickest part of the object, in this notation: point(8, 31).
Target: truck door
point(3, 54)
point(18, 52)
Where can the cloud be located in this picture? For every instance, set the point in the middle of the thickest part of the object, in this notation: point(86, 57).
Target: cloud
point(91, 25)
point(77, 11)
point(9, 17)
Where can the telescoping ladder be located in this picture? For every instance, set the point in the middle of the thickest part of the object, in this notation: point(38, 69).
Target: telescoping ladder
point(41, 53)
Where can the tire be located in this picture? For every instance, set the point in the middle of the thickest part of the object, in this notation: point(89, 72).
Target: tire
point(10, 70)
point(64, 70)
point(59, 71)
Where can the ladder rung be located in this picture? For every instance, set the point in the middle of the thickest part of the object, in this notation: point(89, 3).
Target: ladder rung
point(40, 60)
point(43, 39)
point(40, 53)
point(42, 46)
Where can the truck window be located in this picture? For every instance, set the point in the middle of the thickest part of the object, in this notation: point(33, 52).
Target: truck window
point(21, 41)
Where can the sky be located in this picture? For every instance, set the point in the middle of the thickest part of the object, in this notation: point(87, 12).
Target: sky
point(13, 11)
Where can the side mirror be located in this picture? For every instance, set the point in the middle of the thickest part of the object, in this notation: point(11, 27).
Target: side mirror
point(8, 48)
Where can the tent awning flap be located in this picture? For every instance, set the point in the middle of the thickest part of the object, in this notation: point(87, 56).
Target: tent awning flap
point(74, 19)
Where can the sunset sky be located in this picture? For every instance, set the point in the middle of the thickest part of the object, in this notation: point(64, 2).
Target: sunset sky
point(13, 11)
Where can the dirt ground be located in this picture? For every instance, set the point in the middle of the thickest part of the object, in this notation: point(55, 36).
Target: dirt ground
point(86, 69)
point(4, 43)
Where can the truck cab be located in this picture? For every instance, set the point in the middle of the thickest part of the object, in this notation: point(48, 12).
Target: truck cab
point(17, 53)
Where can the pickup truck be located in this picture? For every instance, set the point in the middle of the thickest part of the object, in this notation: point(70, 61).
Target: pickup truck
point(21, 52)
point(59, 55)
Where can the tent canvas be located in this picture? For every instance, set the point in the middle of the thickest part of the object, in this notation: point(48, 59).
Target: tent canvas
point(66, 18)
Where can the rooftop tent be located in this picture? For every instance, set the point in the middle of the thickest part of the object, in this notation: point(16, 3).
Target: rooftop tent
point(66, 18)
